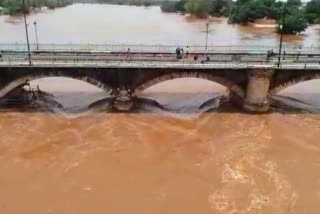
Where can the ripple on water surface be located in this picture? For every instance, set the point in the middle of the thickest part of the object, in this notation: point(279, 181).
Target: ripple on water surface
point(160, 163)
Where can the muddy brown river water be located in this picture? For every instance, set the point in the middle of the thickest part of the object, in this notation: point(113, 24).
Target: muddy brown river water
point(155, 161)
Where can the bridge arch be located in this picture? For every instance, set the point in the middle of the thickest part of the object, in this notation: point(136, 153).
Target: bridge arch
point(235, 90)
point(21, 80)
point(277, 88)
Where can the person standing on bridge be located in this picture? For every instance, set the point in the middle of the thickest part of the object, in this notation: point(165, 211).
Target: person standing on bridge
point(272, 53)
point(268, 55)
point(187, 52)
point(128, 54)
point(178, 52)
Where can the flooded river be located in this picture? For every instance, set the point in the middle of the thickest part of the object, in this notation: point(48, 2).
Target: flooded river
point(113, 24)
point(183, 160)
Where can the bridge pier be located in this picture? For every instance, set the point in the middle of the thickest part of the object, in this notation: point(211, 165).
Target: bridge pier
point(256, 99)
point(123, 100)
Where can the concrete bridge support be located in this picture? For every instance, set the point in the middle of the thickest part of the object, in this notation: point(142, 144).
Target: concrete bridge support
point(124, 99)
point(256, 99)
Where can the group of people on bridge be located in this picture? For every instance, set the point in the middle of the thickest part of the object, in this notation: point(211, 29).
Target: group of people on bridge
point(270, 54)
point(180, 53)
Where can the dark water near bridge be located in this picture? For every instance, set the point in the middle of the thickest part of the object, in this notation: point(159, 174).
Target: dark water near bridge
point(155, 161)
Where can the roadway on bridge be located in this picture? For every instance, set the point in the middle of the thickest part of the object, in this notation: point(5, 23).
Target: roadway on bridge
point(220, 58)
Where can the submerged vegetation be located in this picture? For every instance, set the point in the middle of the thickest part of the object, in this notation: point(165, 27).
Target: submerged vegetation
point(200, 8)
point(13, 7)
point(292, 13)
point(296, 15)
point(133, 2)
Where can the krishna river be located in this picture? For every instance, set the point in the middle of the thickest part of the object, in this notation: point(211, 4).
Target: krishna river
point(155, 161)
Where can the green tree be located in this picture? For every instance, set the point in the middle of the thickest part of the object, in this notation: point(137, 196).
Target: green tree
point(220, 7)
point(13, 6)
point(293, 24)
point(313, 6)
point(180, 5)
point(312, 11)
point(294, 3)
point(168, 6)
point(250, 10)
point(200, 8)
point(173, 6)
point(16, 6)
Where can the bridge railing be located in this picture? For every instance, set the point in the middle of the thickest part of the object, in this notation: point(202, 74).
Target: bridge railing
point(106, 57)
point(118, 60)
point(153, 48)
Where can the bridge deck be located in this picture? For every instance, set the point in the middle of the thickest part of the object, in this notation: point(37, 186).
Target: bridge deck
point(236, 57)
point(233, 66)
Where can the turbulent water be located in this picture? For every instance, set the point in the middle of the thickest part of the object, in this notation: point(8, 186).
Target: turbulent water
point(180, 159)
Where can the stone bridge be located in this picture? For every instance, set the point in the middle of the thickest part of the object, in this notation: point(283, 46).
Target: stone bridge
point(250, 79)
point(249, 88)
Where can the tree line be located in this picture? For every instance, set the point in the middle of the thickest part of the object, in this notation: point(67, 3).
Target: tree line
point(133, 2)
point(199, 8)
point(296, 15)
point(13, 7)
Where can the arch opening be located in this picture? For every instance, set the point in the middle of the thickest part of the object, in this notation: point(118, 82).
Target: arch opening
point(187, 90)
point(205, 76)
point(305, 91)
point(67, 91)
point(292, 83)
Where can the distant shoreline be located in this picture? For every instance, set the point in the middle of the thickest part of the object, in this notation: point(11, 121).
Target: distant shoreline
point(121, 2)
